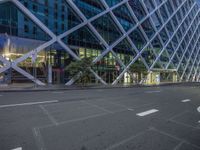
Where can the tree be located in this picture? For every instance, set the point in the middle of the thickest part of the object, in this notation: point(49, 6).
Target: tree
point(139, 68)
point(80, 69)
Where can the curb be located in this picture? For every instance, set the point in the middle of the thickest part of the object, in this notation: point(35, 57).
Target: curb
point(96, 87)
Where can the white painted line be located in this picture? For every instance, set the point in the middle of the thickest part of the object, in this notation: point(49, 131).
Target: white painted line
point(179, 145)
point(19, 148)
point(130, 109)
point(174, 137)
point(27, 104)
point(198, 109)
point(38, 138)
point(101, 108)
point(152, 92)
point(114, 146)
point(57, 92)
point(83, 118)
point(51, 118)
point(185, 100)
point(142, 114)
point(178, 115)
point(199, 121)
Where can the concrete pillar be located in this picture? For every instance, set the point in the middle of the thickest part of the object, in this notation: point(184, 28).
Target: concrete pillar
point(49, 74)
point(175, 78)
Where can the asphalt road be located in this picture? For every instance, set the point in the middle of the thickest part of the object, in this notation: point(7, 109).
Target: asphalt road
point(153, 118)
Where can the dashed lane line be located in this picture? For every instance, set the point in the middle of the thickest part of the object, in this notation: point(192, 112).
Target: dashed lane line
point(149, 92)
point(18, 148)
point(148, 112)
point(58, 92)
point(28, 104)
point(186, 100)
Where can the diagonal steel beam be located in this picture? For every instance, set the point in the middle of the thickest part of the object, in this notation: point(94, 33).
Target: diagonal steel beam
point(197, 67)
point(139, 54)
point(44, 28)
point(189, 45)
point(108, 48)
point(194, 61)
point(156, 31)
point(123, 31)
point(182, 40)
point(173, 32)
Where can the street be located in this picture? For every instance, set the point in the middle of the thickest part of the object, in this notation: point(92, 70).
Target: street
point(145, 118)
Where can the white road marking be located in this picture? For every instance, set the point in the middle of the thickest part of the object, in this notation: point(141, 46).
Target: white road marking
point(130, 109)
point(27, 104)
point(198, 109)
point(57, 92)
point(178, 115)
point(51, 118)
point(185, 100)
point(81, 119)
point(101, 108)
point(179, 145)
point(199, 121)
point(38, 138)
point(152, 92)
point(19, 148)
point(186, 125)
point(174, 137)
point(148, 112)
point(125, 141)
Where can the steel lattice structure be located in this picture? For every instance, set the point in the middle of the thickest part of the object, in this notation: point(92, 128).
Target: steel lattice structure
point(185, 57)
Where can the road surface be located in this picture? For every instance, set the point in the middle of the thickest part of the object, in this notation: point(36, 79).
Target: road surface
point(149, 118)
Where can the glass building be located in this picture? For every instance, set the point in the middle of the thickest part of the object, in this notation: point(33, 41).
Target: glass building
point(129, 41)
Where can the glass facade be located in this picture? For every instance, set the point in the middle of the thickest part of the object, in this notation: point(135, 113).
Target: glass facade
point(129, 42)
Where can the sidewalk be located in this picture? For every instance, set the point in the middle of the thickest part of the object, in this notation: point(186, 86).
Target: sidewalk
point(35, 88)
